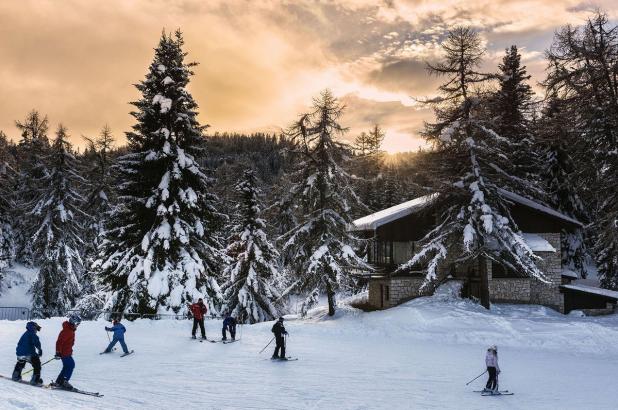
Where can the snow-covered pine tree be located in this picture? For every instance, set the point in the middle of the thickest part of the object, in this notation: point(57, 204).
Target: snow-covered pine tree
point(557, 134)
point(368, 165)
point(251, 292)
point(32, 151)
point(7, 205)
point(99, 190)
point(320, 249)
point(57, 241)
point(161, 250)
point(473, 218)
point(581, 60)
point(511, 108)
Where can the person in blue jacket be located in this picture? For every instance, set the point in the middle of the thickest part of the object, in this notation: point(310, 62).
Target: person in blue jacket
point(119, 331)
point(28, 351)
point(229, 324)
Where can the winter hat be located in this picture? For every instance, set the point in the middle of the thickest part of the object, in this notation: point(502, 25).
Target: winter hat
point(281, 319)
point(494, 348)
point(75, 320)
point(33, 326)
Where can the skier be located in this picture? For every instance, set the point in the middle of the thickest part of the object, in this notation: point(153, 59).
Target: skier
point(64, 351)
point(28, 351)
point(198, 310)
point(491, 361)
point(279, 331)
point(119, 331)
point(229, 324)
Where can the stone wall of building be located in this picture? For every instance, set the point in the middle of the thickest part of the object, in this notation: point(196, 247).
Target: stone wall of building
point(548, 294)
point(510, 290)
point(400, 289)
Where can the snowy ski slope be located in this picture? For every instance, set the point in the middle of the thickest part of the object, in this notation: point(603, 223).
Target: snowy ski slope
point(416, 356)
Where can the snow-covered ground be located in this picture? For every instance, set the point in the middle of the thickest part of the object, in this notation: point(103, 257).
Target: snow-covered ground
point(416, 356)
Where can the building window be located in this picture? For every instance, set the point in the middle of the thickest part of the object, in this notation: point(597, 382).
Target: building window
point(381, 253)
point(387, 293)
point(500, 271)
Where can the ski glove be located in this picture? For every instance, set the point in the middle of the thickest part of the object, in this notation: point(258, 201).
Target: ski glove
point(40, 352)
point(57, 356)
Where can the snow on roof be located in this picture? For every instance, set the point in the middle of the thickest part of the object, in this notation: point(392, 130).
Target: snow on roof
point(589, 289)
point(569, 274)
point(537, 243)
point(535, 205)
point(373, 221)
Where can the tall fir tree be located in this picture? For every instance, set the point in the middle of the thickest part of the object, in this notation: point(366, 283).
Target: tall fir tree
point(581, 63)
point(161, 249)
point(252, 283)
point(7, 204)
point(32, 150)
point(557, 132)
point(511, 108)
point(471, 166)
point(57, 242)
point(320, 249)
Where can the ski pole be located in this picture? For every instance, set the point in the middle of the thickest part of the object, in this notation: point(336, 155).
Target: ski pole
point(25, 373)
point(271, 340)
point(476, 377)
point(110, 340)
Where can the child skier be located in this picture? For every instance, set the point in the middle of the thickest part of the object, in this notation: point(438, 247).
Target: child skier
point(491, 361)
point(64, 351)
point(229, 324)
point(279, 331)
point(119, 331)
point(28, 351)
point(198, 310)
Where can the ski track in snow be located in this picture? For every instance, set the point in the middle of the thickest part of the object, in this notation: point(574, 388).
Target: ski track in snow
point(416, 356)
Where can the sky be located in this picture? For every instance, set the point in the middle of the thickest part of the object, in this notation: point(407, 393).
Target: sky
point(260, 61)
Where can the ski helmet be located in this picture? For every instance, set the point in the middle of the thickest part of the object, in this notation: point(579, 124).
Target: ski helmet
point(75, 319)
point(281, 319)
point(33, 326)
point(494, 348)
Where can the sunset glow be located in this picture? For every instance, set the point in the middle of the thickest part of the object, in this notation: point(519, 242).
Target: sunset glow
point(260, 62)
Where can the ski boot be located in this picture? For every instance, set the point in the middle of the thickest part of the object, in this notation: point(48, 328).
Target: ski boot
point(36, 380)
point(16, 376)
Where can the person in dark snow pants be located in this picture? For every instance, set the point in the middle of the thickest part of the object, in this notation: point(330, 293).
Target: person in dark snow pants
point(229, 324)
point(279, 331)
point(198, 310)
point(64, 351)
point(491, 361)
point(29, 351)
point(119, 331)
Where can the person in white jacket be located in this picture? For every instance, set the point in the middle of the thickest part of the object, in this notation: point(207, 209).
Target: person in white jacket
point(491, 361)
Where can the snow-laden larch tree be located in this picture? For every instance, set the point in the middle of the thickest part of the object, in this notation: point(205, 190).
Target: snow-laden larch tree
point(472, 166)
point(320, 250)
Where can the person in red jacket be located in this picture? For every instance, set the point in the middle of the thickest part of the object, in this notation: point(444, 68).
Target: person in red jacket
point(64, 351)
point(198, 310)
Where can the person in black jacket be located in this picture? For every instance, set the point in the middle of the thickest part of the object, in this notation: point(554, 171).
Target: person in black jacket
point(279, 331)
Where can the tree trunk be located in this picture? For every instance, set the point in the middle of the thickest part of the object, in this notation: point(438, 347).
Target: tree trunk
point(484, 283)
point(331, 300)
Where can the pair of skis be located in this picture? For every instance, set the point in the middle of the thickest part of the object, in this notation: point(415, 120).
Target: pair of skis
point(225, 342)
point(287, 359)
point(54, 386)
point(122, 355)
point(494, 392)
